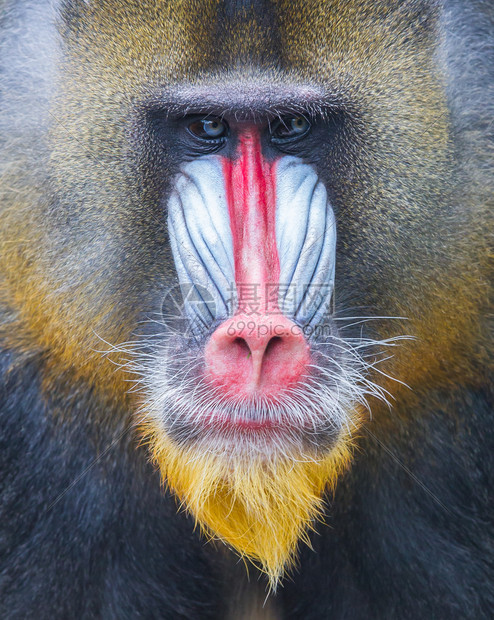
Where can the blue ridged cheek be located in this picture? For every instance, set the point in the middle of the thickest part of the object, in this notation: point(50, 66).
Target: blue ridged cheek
point(202, 245)
point(201, 240)
point(306, 241)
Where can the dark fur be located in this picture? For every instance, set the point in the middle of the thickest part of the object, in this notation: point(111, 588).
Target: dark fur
point(393, 549)
point(105, 544)
point(86, 531)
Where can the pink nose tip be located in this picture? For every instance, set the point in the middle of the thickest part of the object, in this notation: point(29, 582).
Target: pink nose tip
point(248, 355)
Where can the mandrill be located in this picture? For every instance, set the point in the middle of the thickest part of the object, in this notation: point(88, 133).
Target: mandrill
point(245, 289)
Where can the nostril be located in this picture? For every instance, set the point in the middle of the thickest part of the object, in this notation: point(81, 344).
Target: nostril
point(272, 352)
point(273, 345)
point(241, 345)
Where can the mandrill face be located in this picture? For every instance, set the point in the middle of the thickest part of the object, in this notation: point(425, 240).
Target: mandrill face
point(252, 391)
point(245, 207)
point(253, 238)
point(251, 398)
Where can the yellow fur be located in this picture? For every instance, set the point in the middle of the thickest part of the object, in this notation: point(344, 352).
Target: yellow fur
point(261, 507)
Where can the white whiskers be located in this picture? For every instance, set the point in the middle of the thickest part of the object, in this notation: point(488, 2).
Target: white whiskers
point(178, 400)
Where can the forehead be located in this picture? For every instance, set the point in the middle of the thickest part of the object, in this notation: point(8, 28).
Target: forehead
point(182, 40)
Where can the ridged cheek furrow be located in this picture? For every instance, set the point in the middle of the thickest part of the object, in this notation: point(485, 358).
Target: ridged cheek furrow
point(306, 240)
point(201, 240)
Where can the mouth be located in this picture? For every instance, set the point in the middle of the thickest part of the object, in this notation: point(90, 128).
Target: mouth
point(222, 422)
point(233, 417)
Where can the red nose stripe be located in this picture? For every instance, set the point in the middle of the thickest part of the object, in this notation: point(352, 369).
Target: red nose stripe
point(258, 350)
point(251, 195)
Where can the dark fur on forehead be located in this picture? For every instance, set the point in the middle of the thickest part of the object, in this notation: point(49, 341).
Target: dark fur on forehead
point(237, 8)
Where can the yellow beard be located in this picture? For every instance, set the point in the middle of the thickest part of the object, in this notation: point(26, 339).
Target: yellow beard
point(260, 507)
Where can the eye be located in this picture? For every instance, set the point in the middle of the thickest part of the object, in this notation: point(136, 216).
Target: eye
point(290, 128)
point(209, 129)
